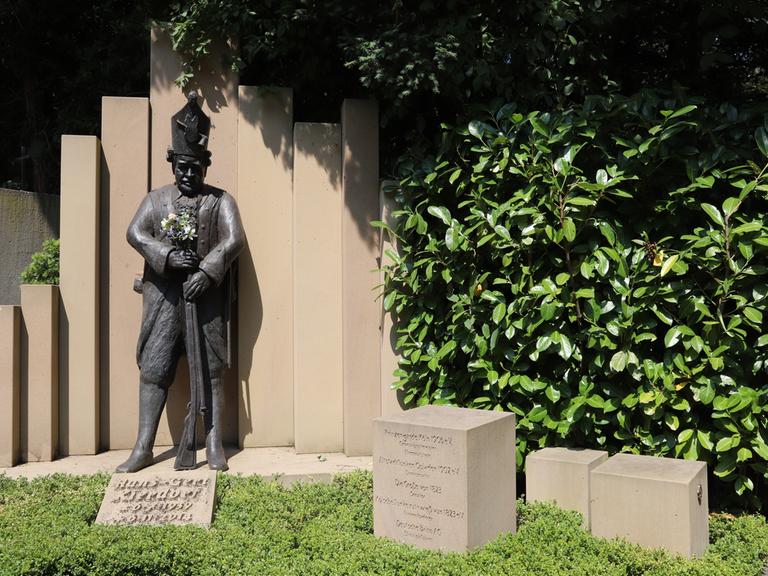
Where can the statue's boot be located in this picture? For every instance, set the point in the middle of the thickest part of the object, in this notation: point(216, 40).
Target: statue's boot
point(214, 416)
point(151, 402)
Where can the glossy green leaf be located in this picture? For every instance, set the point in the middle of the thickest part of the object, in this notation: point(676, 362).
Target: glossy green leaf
point(672, 337)
point(442, 213)
point(753, 314)
point(713, 213)
point(761, 139)
point(730, 205)
point(569, 229)
point(619, 361)
point(451, 238)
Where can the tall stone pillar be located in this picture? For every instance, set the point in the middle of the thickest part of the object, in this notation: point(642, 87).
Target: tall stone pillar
point(361, 314)
point(319, 408)
point(265, 291)
point(124, 183)
point(79, 289)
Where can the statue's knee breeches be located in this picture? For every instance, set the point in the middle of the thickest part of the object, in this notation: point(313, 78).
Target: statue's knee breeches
point(160, 354)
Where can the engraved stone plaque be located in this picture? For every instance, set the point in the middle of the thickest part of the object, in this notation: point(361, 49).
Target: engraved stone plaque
point(444, 477)
point(154, 499)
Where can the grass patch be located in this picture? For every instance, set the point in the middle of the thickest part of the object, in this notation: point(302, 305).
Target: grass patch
point(260, 528)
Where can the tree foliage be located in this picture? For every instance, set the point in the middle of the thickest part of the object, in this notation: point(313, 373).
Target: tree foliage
point(430, 62)
point(598, 270)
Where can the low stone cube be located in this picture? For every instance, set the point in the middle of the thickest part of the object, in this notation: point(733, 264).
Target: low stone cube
point(561, 475)
point(654, 502)
point(444, 477)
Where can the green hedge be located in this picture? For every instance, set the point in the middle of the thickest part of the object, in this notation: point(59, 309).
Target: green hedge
point(43, 267)
point(46, 529)
point(601, 272)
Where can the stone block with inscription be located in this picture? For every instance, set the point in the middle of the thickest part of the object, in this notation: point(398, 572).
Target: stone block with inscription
point(155, 499)
point(656, 502)
point(444, 477)
point(561, 475)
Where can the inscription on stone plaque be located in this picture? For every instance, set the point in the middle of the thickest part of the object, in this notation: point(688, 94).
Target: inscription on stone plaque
point(444, 477)
point(172, 498)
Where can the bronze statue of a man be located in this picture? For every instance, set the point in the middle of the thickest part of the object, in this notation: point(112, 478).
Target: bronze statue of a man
point(189, 235)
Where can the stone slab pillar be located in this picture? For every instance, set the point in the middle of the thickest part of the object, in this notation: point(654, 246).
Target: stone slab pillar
point(444, 477)
point(265, 293)
point(79, 291)
point(39, 405)
point(655, 502)
point(361, 314)
point(317, 262)
point(390, 399)
point(124, 182)
point(216, 85)
point(561, 475)
point(10, 384)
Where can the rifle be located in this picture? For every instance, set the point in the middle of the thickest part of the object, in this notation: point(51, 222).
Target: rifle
point(186, 456)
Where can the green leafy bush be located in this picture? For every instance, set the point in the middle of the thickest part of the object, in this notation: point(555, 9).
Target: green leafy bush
point(44, 265)
point(599, 271)
point(260, 528)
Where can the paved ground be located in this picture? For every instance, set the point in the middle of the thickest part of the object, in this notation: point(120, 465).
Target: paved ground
point(281, 463)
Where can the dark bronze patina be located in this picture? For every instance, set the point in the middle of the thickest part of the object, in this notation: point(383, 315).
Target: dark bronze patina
point(186, 290)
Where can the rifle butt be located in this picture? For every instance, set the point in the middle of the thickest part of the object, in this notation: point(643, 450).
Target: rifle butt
point(186, 455)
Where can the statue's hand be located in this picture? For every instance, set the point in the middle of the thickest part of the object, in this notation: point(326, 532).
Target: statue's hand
point(183, 260)
point(196, 285)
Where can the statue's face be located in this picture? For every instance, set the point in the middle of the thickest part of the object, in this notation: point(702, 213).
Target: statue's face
point(189, 173)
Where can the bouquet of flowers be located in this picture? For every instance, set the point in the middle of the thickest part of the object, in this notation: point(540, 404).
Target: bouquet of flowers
point(181, 228)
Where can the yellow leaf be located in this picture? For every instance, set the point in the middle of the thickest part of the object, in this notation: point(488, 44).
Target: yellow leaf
point(668, 264)
point(659, 258)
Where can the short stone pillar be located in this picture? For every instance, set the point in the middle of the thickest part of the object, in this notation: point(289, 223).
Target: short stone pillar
point(655, 502)
point(561, 475)
point(10, 384)
point(39, 406)
point(444, 477)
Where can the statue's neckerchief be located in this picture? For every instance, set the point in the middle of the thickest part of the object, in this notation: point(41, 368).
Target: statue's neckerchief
point(185, 203)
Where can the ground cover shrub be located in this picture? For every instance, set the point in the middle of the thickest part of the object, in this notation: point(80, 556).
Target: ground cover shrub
point(598, 270)
point(43, 267)
point(260, 528)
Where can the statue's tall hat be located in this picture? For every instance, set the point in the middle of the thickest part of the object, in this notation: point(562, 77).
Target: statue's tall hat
point(190, 128)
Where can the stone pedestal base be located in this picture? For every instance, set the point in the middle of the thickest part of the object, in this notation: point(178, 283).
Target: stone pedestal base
point(561, 475)
point(655, 502)
point(444, 477)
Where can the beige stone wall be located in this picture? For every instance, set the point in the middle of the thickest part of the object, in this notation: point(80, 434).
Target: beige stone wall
point(361, 315)
point(124, 182)
point(26, 220)
point(317, 264)
point(265, 201)
point(79, 291)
